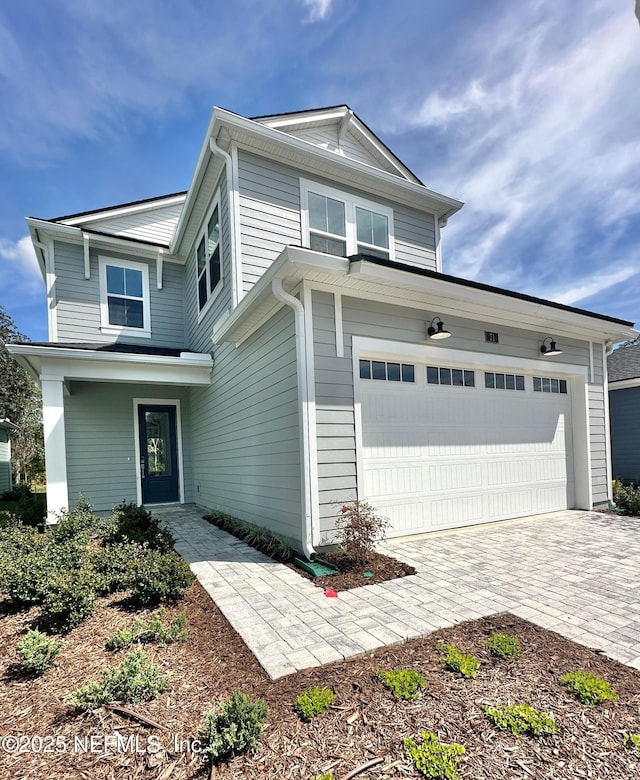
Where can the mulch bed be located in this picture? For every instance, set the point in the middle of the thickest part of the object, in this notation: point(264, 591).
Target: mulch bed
point(353, 573)
point(364, 721)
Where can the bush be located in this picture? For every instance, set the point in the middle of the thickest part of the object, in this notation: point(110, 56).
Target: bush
point(133, 523)
point(31, 510)
point(314, 701)
point(69, 598)
point(325, 776)
point(17, 492)
point(588, 688)
point(358, 528)
point(234, 728)
point(134, 680)
point(152, 630)
point(504, 645)
point(457, 661)
point(627, 498)
point(432, 758)
point(632, 741)
point(114, 566)
point(24, 564)
point(38, 652)
point(403, 683)
point(259, 538)
point(80, 522)
point(160, 578)
point(521, 719)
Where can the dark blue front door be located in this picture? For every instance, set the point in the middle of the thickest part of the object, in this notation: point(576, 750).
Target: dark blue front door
point(158, 454)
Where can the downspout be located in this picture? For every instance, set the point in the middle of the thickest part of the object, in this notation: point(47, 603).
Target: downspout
point(303, 394)
point(215, 149)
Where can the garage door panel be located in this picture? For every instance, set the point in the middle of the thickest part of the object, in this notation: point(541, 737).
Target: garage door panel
point(443, 457)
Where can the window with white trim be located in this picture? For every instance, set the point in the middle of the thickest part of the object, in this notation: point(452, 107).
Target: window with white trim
point(337, 223)
point(124, 297)
point(456, 377)
point(387, 372)
point(546, 384)
point(493, 381)
point(208, 258)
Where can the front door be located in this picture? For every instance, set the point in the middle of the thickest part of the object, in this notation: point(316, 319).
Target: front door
point(158, 454)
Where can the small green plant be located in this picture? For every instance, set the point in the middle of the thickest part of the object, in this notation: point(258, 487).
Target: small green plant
point(80, 521)
point(38, 652)
point(159, 578)
point(114, 564)
point(627, 497)
point(521, 719)
point(152, 630)
point(69, 598)
point(632, 741)
point(433, 758)
point(403, 683)
point(314, 701)
point(588, 688)
point(134, 680)
point(325, 776)
point(132, 523)
point(255, 536)
point(504, 645)
point(359, 527)
point(234, 728)
point(456, 661)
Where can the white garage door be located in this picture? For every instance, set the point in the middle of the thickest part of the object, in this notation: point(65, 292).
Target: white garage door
point(444, 447)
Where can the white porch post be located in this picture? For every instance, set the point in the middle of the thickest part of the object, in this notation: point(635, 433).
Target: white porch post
point(55, 449)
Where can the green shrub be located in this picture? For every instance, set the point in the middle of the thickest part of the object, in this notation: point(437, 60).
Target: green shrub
point(17, 492)
point(627, 498)
point(314, 701)
point(160, 578)
point(234, 728)
point(152, 630)
point(588, 688)
point(255, 536)
point(432, 758)
point(632, 741)
point(403, 683)
point(79, 522)
point(521, 719)
point(457, 661)
point(114, 566)
point(325, 776)
point(133, 523)
point(69, 598)
point(38, 652)
point(504, 645)
point(31, 510)
point(24, 564)
point(359, 527)
point(134, 680)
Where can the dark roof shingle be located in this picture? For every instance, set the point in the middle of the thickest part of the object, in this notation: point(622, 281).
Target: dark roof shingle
point(624, 363)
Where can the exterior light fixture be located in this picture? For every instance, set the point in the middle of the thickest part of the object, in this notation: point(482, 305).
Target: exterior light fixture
point(550, 349)
point(437, 332)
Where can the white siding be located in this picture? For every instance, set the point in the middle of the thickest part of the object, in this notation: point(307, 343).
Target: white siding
point(154, 225)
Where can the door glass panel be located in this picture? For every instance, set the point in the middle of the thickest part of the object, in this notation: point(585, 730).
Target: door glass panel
point(158, 434)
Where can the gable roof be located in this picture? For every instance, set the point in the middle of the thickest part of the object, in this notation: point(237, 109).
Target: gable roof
point(624, 363)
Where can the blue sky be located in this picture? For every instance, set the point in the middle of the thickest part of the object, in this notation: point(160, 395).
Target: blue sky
point(529, 112)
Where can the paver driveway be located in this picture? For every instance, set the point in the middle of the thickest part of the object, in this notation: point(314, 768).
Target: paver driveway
point(575, 572)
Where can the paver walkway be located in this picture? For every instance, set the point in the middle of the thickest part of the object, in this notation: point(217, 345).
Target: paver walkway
point(577, 573)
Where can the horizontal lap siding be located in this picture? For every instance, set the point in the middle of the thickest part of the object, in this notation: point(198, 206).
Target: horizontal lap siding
point(269, 213)
point(598, 444)
point(78, 300)
point(624, 406)
point(247, 438)
point(100, 436)
point(156, 226)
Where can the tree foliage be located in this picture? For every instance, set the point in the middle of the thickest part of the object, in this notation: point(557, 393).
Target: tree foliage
point(20, 402)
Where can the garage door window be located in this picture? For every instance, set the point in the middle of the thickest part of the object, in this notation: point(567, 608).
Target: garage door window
point(545, 384)
point(456, 377)
point(387, 372)
point(503, 381)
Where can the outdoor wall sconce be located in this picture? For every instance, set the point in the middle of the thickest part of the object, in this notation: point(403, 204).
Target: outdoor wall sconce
point(439, 331)
point(550, 349)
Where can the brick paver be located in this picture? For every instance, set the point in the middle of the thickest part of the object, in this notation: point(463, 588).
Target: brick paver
point(573, 572)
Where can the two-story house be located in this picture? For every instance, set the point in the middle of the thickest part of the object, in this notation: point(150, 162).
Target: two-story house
point(281, 339)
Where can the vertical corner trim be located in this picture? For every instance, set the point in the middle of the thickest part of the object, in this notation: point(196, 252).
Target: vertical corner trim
point(87, 259)
point(337, 308)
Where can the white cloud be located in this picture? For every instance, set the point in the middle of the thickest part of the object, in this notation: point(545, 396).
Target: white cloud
point(595, 283)
point(318, 9)
point(20, 269)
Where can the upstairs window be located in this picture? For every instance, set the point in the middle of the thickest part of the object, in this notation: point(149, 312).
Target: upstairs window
point(124, 297)
point(208, 260)
point(340, 224)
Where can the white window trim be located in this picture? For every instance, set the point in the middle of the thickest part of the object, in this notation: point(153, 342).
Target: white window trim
point(123, 330)
point(350, 202)
point(203, 234)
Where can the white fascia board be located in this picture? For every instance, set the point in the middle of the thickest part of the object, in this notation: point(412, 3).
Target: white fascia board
point(190, 368)
point(293, 264)
point(117, 211)
point(623, 384)
point(75, 235)
point(498, 306)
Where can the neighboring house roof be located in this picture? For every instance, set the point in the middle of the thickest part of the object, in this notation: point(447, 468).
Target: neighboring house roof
point(624, 363)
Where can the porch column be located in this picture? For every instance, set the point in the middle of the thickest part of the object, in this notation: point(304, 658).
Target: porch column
point(55, 448)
